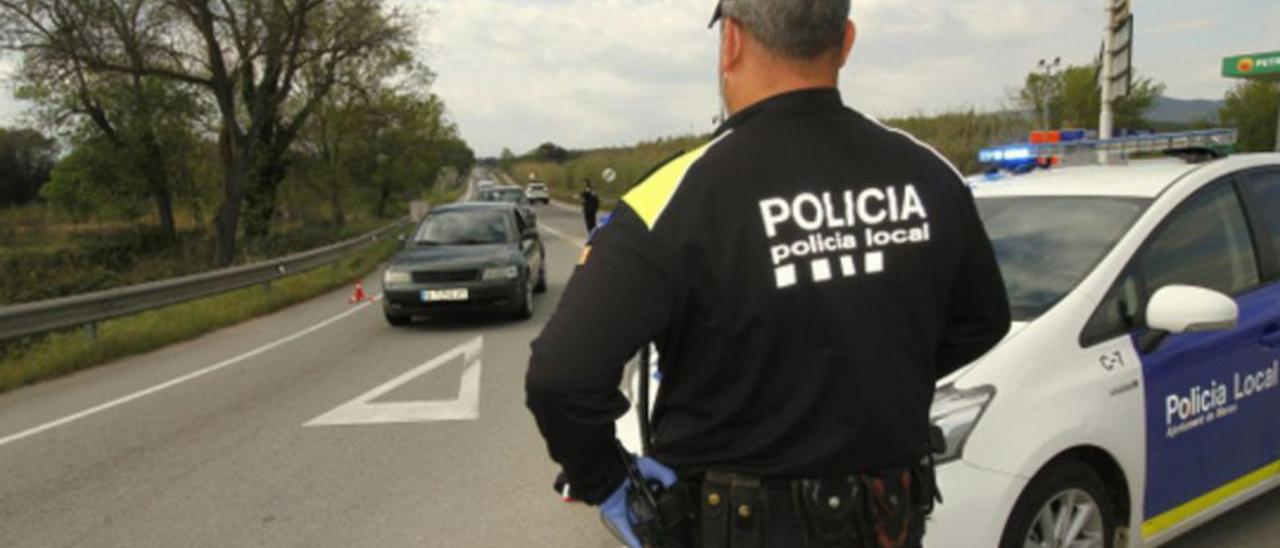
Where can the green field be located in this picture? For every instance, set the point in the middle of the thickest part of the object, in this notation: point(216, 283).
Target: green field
point(958, 136)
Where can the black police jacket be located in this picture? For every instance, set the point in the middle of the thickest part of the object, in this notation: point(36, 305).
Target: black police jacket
point(807, 277)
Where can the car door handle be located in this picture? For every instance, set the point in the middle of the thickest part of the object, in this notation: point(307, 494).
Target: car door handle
point(1271, 336)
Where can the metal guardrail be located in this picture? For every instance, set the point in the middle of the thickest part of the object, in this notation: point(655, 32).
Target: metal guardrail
point(38, 317)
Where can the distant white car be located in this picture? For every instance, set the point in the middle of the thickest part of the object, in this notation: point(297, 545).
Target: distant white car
point(486, 184)
point(537, 193)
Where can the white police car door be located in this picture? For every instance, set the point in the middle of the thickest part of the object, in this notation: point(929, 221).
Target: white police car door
point(1211, 398)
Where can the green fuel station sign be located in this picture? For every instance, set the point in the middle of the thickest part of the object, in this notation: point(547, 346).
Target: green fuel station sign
point(1257, 66)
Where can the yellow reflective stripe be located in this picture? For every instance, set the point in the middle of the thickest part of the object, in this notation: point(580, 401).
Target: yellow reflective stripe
point(650, 198)
point(1177, 515)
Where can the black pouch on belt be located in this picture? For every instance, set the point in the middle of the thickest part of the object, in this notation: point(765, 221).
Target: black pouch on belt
point(732, 511)
point(666, 523)
point(833, 510)
point(891, 508)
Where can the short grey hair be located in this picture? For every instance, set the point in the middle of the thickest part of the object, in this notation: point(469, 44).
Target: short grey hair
point(799, 29)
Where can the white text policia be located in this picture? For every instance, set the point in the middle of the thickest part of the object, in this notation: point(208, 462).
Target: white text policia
point(868, 208)
point(1218, 399)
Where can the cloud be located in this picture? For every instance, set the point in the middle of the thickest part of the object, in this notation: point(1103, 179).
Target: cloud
point(576, 72)
point(516, 73)
point(585, 73)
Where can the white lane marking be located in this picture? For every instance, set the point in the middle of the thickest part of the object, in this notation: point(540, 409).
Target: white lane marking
point(565, 206)
point(465, 407)
point(185, 378)
point(571, 239)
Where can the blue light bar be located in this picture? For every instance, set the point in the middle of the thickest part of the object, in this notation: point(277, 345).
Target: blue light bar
point(1022, 156)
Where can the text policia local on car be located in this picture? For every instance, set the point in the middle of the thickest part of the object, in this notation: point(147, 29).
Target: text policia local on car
point(1200, 400)
point(868, 208)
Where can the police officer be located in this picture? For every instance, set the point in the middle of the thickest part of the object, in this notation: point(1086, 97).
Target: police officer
point(590, 205)
point(807, 276)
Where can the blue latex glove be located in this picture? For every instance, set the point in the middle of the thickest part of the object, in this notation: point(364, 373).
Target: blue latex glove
point(614, 509)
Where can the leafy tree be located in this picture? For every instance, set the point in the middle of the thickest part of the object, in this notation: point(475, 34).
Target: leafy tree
point(26, 158)
point(386, 137)
point(1251, 107)
point(96, 180)
point(266, 65)
point(506, 159)
point(456, 154)
point(551, 152)
point(1072, 99)
point(149, 123)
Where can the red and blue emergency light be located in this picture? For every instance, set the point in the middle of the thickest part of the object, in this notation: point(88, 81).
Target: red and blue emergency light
point(1046, 149)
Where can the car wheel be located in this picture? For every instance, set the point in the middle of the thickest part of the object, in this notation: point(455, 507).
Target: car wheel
point(1066, 505)
point(542, 280)
point(524, 306)
point(397, 320)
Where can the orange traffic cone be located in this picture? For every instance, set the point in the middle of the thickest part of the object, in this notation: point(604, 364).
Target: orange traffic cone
point(359, 295)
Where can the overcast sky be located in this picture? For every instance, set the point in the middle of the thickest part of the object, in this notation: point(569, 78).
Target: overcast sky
point(585, 73)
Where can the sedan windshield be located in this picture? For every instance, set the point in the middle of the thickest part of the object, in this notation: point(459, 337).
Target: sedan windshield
point(1046, 244)
point(465, 228)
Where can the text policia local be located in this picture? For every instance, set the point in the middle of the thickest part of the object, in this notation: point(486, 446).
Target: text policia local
point(868, 209)
point(1201, 404)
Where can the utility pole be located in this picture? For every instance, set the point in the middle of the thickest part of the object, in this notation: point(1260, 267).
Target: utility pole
point(1117, 48)
point(1049, 90)
point(1117, 66)
point(1107, 121)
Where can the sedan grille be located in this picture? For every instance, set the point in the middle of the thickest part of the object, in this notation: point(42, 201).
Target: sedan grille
point(453, 276)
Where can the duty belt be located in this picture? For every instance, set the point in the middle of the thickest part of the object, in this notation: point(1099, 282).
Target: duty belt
point(883, 509)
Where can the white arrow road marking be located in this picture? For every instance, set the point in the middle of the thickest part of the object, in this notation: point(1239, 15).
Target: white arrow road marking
point(465, 407)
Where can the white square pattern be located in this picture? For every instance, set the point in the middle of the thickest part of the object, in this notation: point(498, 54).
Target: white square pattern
point(820, 269)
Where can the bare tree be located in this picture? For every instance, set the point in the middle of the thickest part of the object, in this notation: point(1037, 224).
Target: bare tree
point(265, 65)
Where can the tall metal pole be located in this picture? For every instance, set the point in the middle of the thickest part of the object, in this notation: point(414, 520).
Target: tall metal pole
point(1107, 121)
point(1278, 125)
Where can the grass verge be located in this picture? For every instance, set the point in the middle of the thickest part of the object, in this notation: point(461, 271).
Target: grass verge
point(957, 135)
point(47, 356)
point(564, 180)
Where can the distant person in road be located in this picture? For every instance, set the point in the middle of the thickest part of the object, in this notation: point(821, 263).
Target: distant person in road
point(590, 205)
point(807, 276)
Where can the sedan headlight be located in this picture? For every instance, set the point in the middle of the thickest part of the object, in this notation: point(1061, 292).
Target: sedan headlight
point(501, 273)
point(957, 412)
point(392, 277)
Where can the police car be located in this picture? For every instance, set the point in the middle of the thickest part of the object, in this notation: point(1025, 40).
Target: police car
point(1138, 394)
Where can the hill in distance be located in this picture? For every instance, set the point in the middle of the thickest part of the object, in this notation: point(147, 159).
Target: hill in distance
point(1185, 111)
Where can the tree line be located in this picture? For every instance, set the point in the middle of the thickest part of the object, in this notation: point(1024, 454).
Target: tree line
point(1070, 99)
point(215, 106)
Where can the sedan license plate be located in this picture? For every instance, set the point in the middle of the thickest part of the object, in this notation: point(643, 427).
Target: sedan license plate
point(444, 295)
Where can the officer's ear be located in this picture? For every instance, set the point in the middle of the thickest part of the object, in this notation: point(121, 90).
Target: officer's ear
point(732, 42)
point(850, 36)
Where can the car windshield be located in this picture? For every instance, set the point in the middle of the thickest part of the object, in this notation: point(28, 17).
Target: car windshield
point(465, 228)
point(1046, 244)
point(512, 195)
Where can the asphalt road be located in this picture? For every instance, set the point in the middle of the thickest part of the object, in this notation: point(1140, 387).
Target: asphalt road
point(321, 426)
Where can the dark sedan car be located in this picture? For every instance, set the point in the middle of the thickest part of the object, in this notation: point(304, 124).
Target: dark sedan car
point(509, 194)
point(468, 257)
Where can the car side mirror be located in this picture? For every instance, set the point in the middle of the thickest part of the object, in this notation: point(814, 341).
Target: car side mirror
point(1189, 309)
point(1178, 309)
